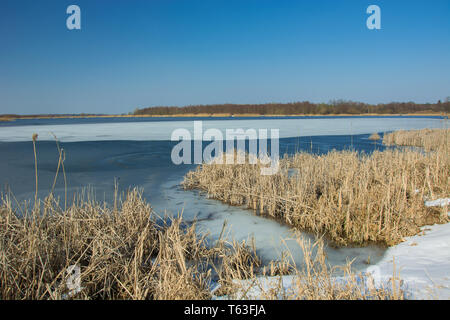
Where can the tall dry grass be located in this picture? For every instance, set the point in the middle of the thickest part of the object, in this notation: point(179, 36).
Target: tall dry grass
point(429, 139)
point(128, 252)
point(125, 252)
point(350, 197)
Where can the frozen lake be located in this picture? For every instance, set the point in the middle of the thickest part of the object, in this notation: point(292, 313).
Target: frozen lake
point(155, 129)
point(137, 153)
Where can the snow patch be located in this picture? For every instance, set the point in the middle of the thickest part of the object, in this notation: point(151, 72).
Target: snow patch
point(284, 287)
point(438, 203)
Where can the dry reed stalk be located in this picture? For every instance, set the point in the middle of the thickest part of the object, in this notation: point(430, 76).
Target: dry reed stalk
point(34, 138)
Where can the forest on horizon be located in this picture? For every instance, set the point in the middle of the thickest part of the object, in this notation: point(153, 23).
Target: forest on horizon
point(302, 108)
point(294, 108)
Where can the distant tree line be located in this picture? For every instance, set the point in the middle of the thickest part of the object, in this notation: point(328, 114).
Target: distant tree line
point(47, 115)
point(300, 108)
point(294, 108)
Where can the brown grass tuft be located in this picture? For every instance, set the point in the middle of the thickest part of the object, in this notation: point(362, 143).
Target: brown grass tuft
point(374, 136)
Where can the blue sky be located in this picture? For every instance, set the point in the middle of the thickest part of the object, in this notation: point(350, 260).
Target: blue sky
point(138, 53)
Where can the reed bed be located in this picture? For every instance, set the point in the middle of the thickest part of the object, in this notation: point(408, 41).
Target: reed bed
point(429, 139)
point(127, 252)
point(351, 198)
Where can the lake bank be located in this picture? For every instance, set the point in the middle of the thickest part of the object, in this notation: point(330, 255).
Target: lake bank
point(220, 115)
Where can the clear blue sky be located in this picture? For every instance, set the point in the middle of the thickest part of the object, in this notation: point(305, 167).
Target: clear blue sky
point(137, 53)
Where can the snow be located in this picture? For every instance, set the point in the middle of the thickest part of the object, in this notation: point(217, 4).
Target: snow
point(422, 262)
point(162, 130)
point(438, 202)
point(263, 287)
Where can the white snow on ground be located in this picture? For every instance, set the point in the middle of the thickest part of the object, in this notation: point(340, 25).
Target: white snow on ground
point(438, 202)
point(422, 262)
point(162, 130)
point(263, 288)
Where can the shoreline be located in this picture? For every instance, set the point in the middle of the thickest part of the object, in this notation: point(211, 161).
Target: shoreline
point(217, 115)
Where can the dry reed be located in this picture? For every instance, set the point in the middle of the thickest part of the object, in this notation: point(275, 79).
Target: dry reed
point(374, 136)
point(315, 280)
point(350, 197)
point(34, 138)
point(127, 252)
point(123, 253)
point(429, 139)
point(130, 253)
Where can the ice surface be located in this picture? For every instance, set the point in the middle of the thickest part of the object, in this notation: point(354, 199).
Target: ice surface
point(162, 130)
point(271, 238)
